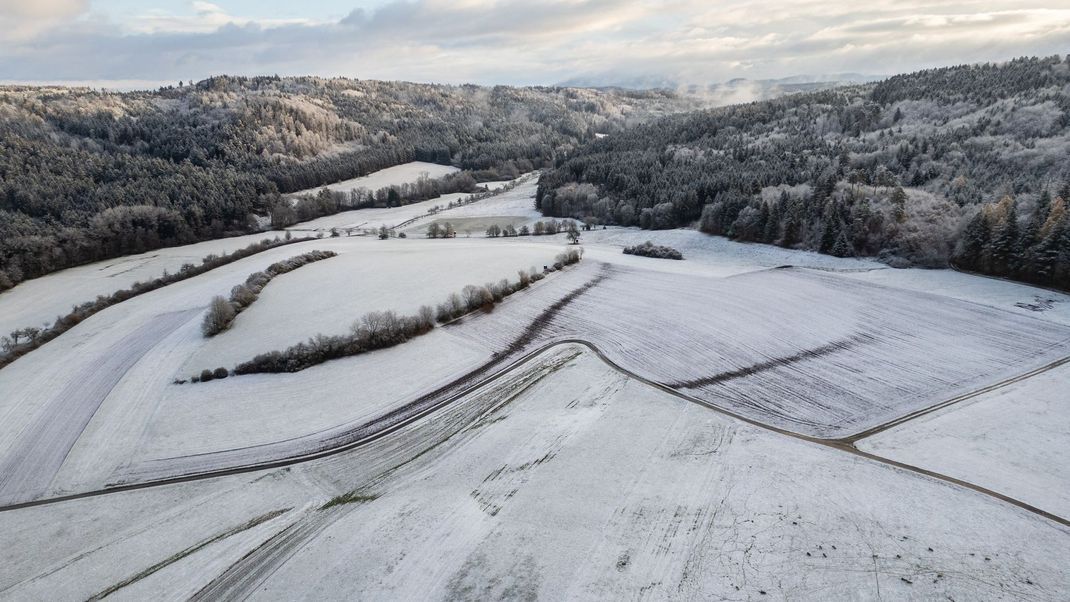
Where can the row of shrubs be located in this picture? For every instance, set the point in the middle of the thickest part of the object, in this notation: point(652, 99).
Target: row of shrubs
point(221, 312)
point(382, 329)
point(472, 198)
point(25, 340)
point(649, 249)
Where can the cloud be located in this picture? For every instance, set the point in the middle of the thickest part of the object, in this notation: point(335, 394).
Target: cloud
point(23, 19)
point(206, 18)
point(525, 42)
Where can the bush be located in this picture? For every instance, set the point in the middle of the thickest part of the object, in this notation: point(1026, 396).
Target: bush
point(220, 314)
point(444, 313)
point(244, 295)
point(220, 373)
point(87, 309)
point(381, 329)
point(425, 317)
point(649, 249)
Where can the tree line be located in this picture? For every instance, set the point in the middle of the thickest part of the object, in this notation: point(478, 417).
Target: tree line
point(895, 170)
point(87, 175)
point(382, 329)
point(222, 312)
point(24, 340)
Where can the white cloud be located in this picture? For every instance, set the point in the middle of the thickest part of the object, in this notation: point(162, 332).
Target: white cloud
point(23, 19)
point(206, 18)
point(521, 41)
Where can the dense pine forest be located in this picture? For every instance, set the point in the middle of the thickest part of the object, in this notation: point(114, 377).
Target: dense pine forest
point(965, 166)
point(86, 175)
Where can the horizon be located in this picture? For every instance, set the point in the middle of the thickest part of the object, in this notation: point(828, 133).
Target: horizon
point(124, 45)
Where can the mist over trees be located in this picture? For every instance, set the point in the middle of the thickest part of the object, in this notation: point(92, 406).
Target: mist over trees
point(88, 175)
point(962, 165)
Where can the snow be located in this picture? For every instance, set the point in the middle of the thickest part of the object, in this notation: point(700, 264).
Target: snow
point(561, 477)
point(1004, 294)
point(1014, 440)
point(564, 479)
point(374, 217)
point(805, 350)
point(390, 217)
point(123, 354)
point(136, 424)
point(406, 173)
point(518, 202)
point(41, 300)
point(368, 275)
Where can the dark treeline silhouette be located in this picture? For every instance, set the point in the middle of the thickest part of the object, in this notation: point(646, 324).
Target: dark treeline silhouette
point(87, 175)
point(916, 169)
point(328, 202)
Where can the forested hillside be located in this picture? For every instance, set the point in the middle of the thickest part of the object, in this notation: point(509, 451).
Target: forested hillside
point(965, 165)
point(86, 175)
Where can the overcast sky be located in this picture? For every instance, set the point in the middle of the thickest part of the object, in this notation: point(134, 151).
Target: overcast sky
point(513, 41)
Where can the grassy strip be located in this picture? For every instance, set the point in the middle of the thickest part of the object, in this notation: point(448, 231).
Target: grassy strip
point(190, 550)
point(11, 349)
point(348, 498)
point(221, 313)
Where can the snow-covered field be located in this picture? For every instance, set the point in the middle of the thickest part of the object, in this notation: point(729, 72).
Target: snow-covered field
point(805, 350)
point(1014, 440)
point(406, 173)
point(388, 216)
point(368, 275)
point(559, 475)
point(518, 202)
point(565, 479)
point(39, 301)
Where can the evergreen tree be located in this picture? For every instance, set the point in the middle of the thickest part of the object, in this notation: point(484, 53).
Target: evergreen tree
point(841, 248)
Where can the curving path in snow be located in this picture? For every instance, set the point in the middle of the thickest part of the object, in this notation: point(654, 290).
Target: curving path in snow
point(526, 345)
point(37, 455)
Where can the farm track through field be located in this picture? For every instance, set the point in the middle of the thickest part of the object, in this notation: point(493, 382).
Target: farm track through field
point(481, 376)
point(41, 449)
point(844, 445)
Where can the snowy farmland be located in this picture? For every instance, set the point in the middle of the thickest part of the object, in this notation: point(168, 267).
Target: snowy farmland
point(368, 275)
point(391, 217)
point(563, 479)
point(406, 173)
point(751, 421)
point(1012, 440)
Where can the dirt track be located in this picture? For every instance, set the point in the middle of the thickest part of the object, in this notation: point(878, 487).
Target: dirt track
point(359, 435)
point(41, 449)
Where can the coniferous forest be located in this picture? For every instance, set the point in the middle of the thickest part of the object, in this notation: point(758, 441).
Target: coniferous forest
point(964, 166)
point(87, 175)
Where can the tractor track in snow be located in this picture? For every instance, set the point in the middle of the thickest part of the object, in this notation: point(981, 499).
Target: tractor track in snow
point(395, 423)
point(42, 448)
point(481, 376)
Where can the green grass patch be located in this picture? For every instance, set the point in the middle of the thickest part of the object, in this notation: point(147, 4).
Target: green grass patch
point(353, 497)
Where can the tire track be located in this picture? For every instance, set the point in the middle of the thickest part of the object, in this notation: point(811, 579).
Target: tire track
point(42, 448)
point(482, 376)
point(829, 443)
point(242, 578)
